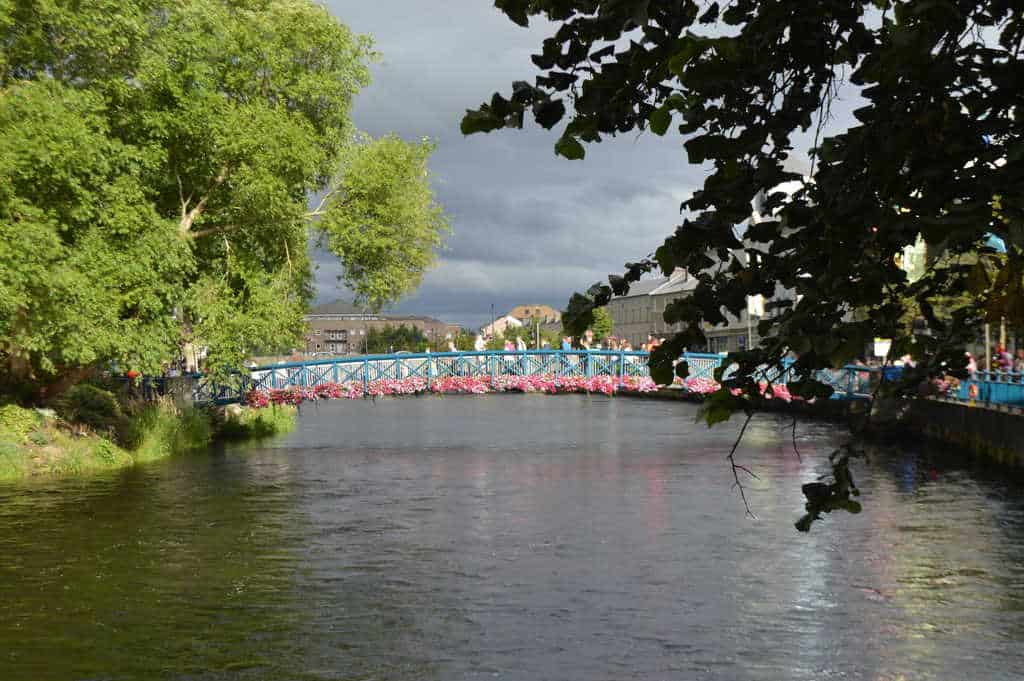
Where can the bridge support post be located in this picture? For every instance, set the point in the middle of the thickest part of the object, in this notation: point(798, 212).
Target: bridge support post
point(366, 377)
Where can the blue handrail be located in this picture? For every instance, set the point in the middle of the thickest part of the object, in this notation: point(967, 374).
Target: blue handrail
point(848, 382)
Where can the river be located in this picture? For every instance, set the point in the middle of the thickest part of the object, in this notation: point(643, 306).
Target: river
point(513, 537)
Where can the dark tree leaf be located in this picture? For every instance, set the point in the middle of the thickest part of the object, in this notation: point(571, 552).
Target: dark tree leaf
point(570, 148)
point(548, 112)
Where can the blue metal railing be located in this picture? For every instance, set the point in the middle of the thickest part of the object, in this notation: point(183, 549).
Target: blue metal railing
point(430, 366)
point(996, 387)
point(850, 382)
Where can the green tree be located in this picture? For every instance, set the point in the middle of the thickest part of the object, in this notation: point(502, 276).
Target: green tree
point(465, 340)
point(552, 337)
point(582, 314)
point(156, 160)
point(937, 150)
point(602, 324)
point(402, 338)
point(510, 334)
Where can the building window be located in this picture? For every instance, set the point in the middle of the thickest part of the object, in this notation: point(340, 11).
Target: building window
point(317, 332)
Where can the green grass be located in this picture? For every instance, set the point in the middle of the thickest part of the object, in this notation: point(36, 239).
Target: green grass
point(33, 445)
point(160, 430)
point(259, 423)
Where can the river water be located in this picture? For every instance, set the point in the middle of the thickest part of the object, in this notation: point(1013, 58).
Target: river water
point(513, 537)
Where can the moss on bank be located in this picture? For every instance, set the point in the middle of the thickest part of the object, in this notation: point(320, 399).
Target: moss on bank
point(37, 443)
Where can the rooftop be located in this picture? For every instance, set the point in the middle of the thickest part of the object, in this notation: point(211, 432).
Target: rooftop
point(657, 286)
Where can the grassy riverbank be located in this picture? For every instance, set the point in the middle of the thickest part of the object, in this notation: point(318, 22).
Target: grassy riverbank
point(37, 443)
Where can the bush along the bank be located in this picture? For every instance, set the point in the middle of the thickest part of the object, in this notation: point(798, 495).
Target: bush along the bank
point(37, 442)
point(91, 430)
point(244, 424)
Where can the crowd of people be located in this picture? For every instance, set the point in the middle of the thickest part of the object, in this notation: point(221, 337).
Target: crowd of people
point(1002, 360)
point(588, 342)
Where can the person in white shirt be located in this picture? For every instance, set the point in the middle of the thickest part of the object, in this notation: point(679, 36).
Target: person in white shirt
point(479, 345)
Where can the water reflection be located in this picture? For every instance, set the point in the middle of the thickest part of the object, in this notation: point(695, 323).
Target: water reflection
point(513, 537)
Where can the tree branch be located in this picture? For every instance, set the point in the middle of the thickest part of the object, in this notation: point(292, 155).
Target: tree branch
point(188, 218)
point(319, 209)
point(797, 451)
point(736, 468)
point(214, 230)
point(181, 197)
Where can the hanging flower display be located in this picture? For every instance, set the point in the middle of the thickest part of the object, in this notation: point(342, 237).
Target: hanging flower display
point(451, 385)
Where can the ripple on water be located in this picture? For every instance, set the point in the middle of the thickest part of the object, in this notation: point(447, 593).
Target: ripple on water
point(549, 538)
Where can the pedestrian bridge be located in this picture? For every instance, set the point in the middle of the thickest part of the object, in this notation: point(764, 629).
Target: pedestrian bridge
point(365, 371)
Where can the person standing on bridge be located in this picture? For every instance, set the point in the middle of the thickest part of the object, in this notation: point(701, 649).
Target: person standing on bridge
point(479, 344)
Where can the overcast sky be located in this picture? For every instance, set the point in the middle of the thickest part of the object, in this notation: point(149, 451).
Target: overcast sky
point(528, 227)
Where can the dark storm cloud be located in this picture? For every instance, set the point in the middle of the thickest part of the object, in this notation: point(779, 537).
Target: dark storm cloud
point(528, 227)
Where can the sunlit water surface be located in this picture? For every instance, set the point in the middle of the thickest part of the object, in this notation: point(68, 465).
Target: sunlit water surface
point(513, 537)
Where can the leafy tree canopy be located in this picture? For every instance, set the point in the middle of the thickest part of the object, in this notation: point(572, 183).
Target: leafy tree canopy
point(156, 160)
point(394, 339)
point(937, 151)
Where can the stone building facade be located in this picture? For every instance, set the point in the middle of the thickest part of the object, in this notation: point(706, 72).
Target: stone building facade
point(640, 313)
point(340, 328)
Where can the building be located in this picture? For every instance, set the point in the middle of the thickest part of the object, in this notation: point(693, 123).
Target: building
point(529, 315)
point(500, 325)
point(640, 313)
point(740, 331)
point(340, 328)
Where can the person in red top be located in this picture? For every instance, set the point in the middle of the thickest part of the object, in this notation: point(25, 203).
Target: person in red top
point(1003, 360)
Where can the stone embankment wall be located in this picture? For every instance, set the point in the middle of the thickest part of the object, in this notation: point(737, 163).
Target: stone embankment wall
point(994, 431)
